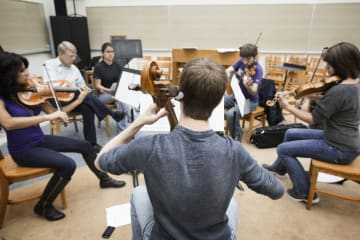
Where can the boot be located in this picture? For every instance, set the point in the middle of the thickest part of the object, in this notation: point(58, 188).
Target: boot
point(44, 207)
point(105, 180)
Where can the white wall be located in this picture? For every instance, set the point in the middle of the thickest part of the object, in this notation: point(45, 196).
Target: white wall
point(37, 60)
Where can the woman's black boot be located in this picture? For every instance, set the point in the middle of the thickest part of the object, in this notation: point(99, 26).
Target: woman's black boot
point(44, 207)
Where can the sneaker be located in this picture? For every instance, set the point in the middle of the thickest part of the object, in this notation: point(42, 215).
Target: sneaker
point(271, 169)
point(118, 115)
point(301, 198)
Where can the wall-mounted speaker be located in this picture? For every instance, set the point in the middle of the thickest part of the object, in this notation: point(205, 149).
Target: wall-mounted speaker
point(74, 30)
point(60, 7)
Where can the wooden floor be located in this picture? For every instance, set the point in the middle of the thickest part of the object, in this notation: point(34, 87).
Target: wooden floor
point(259, 217)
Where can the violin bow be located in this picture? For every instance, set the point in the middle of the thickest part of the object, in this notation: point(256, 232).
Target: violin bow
point(51, 86)
point(318, 63)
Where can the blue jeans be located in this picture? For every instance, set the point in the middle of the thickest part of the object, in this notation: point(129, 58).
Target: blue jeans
point(142, 216)
point(309, 143)
point(131, 114)
point(233, 115)
point(106, 98)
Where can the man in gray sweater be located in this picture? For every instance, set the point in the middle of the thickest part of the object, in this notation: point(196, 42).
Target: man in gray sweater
point(190, 173)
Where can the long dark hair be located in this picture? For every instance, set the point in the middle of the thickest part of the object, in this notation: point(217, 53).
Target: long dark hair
point(344, 57)
point(10, 67)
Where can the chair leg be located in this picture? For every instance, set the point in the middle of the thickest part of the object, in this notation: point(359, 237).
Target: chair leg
point(251, 125)
point(63, 199)
point(57, 128)
point(3, 203)
point(313, 180)
point(75, 124)
point(107, 125)
point(52, 123)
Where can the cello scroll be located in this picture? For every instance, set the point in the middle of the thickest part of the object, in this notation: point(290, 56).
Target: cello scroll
point(161, 90)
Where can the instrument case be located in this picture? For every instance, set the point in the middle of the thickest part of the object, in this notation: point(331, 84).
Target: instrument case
point(271, 136)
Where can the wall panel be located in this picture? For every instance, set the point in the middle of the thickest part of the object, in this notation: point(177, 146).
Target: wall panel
point(285, 27)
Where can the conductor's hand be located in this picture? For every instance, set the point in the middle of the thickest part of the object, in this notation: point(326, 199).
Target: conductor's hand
point(58, 115)
point(152, 114)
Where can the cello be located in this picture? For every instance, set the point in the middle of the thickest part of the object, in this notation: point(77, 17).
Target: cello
point(162, 91)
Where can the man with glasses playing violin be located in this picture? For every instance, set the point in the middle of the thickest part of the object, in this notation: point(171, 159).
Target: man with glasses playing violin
point(249, 73)
point(62, 68)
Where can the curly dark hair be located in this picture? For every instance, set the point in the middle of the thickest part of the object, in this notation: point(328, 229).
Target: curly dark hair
point(10, 67)
point(344, 57)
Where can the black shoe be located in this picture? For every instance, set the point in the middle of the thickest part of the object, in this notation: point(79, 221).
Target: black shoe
point(48, 212)
point(97, 147)
point(111, 183)
point(118, 116)
point(271, 169)
point(301, 198)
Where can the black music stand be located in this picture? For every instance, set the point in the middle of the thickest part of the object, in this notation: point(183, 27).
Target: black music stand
point(290, 67)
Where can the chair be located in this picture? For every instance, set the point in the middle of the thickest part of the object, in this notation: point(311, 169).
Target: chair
point(259, 112)
point(11, 173)
point(273, 72)
point(320, 73)
point(350, 172)
point(166, 69)
point(56, 124)
point(141, 62)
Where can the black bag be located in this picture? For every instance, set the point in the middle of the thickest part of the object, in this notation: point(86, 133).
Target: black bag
point(266, 137)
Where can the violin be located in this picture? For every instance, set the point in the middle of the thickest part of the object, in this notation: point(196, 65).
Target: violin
point(249, 72)
point(161, 90)
point(36, 92)
point(309, 88)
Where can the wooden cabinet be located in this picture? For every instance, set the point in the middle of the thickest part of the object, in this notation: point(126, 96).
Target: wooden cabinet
point(182, 56)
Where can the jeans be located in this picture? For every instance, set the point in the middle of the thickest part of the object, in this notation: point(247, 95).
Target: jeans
point(142, 216)
point(131, 114)
point(309, 143)
point(106, 98)
point(233, 115)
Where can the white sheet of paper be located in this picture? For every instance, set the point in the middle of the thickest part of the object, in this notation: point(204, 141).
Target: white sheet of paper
point(118, 215)
point(123, 93)
point(328, 178)
point(239, 96)
point(216, 120)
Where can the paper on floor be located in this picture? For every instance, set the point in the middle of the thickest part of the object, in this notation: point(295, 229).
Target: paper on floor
point(118, 215)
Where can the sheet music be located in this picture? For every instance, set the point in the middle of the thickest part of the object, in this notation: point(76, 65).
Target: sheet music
point(243, 104)
point(123, 93)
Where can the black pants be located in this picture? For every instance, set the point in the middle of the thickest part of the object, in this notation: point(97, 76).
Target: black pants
point(90, 107)
point(47, 154)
